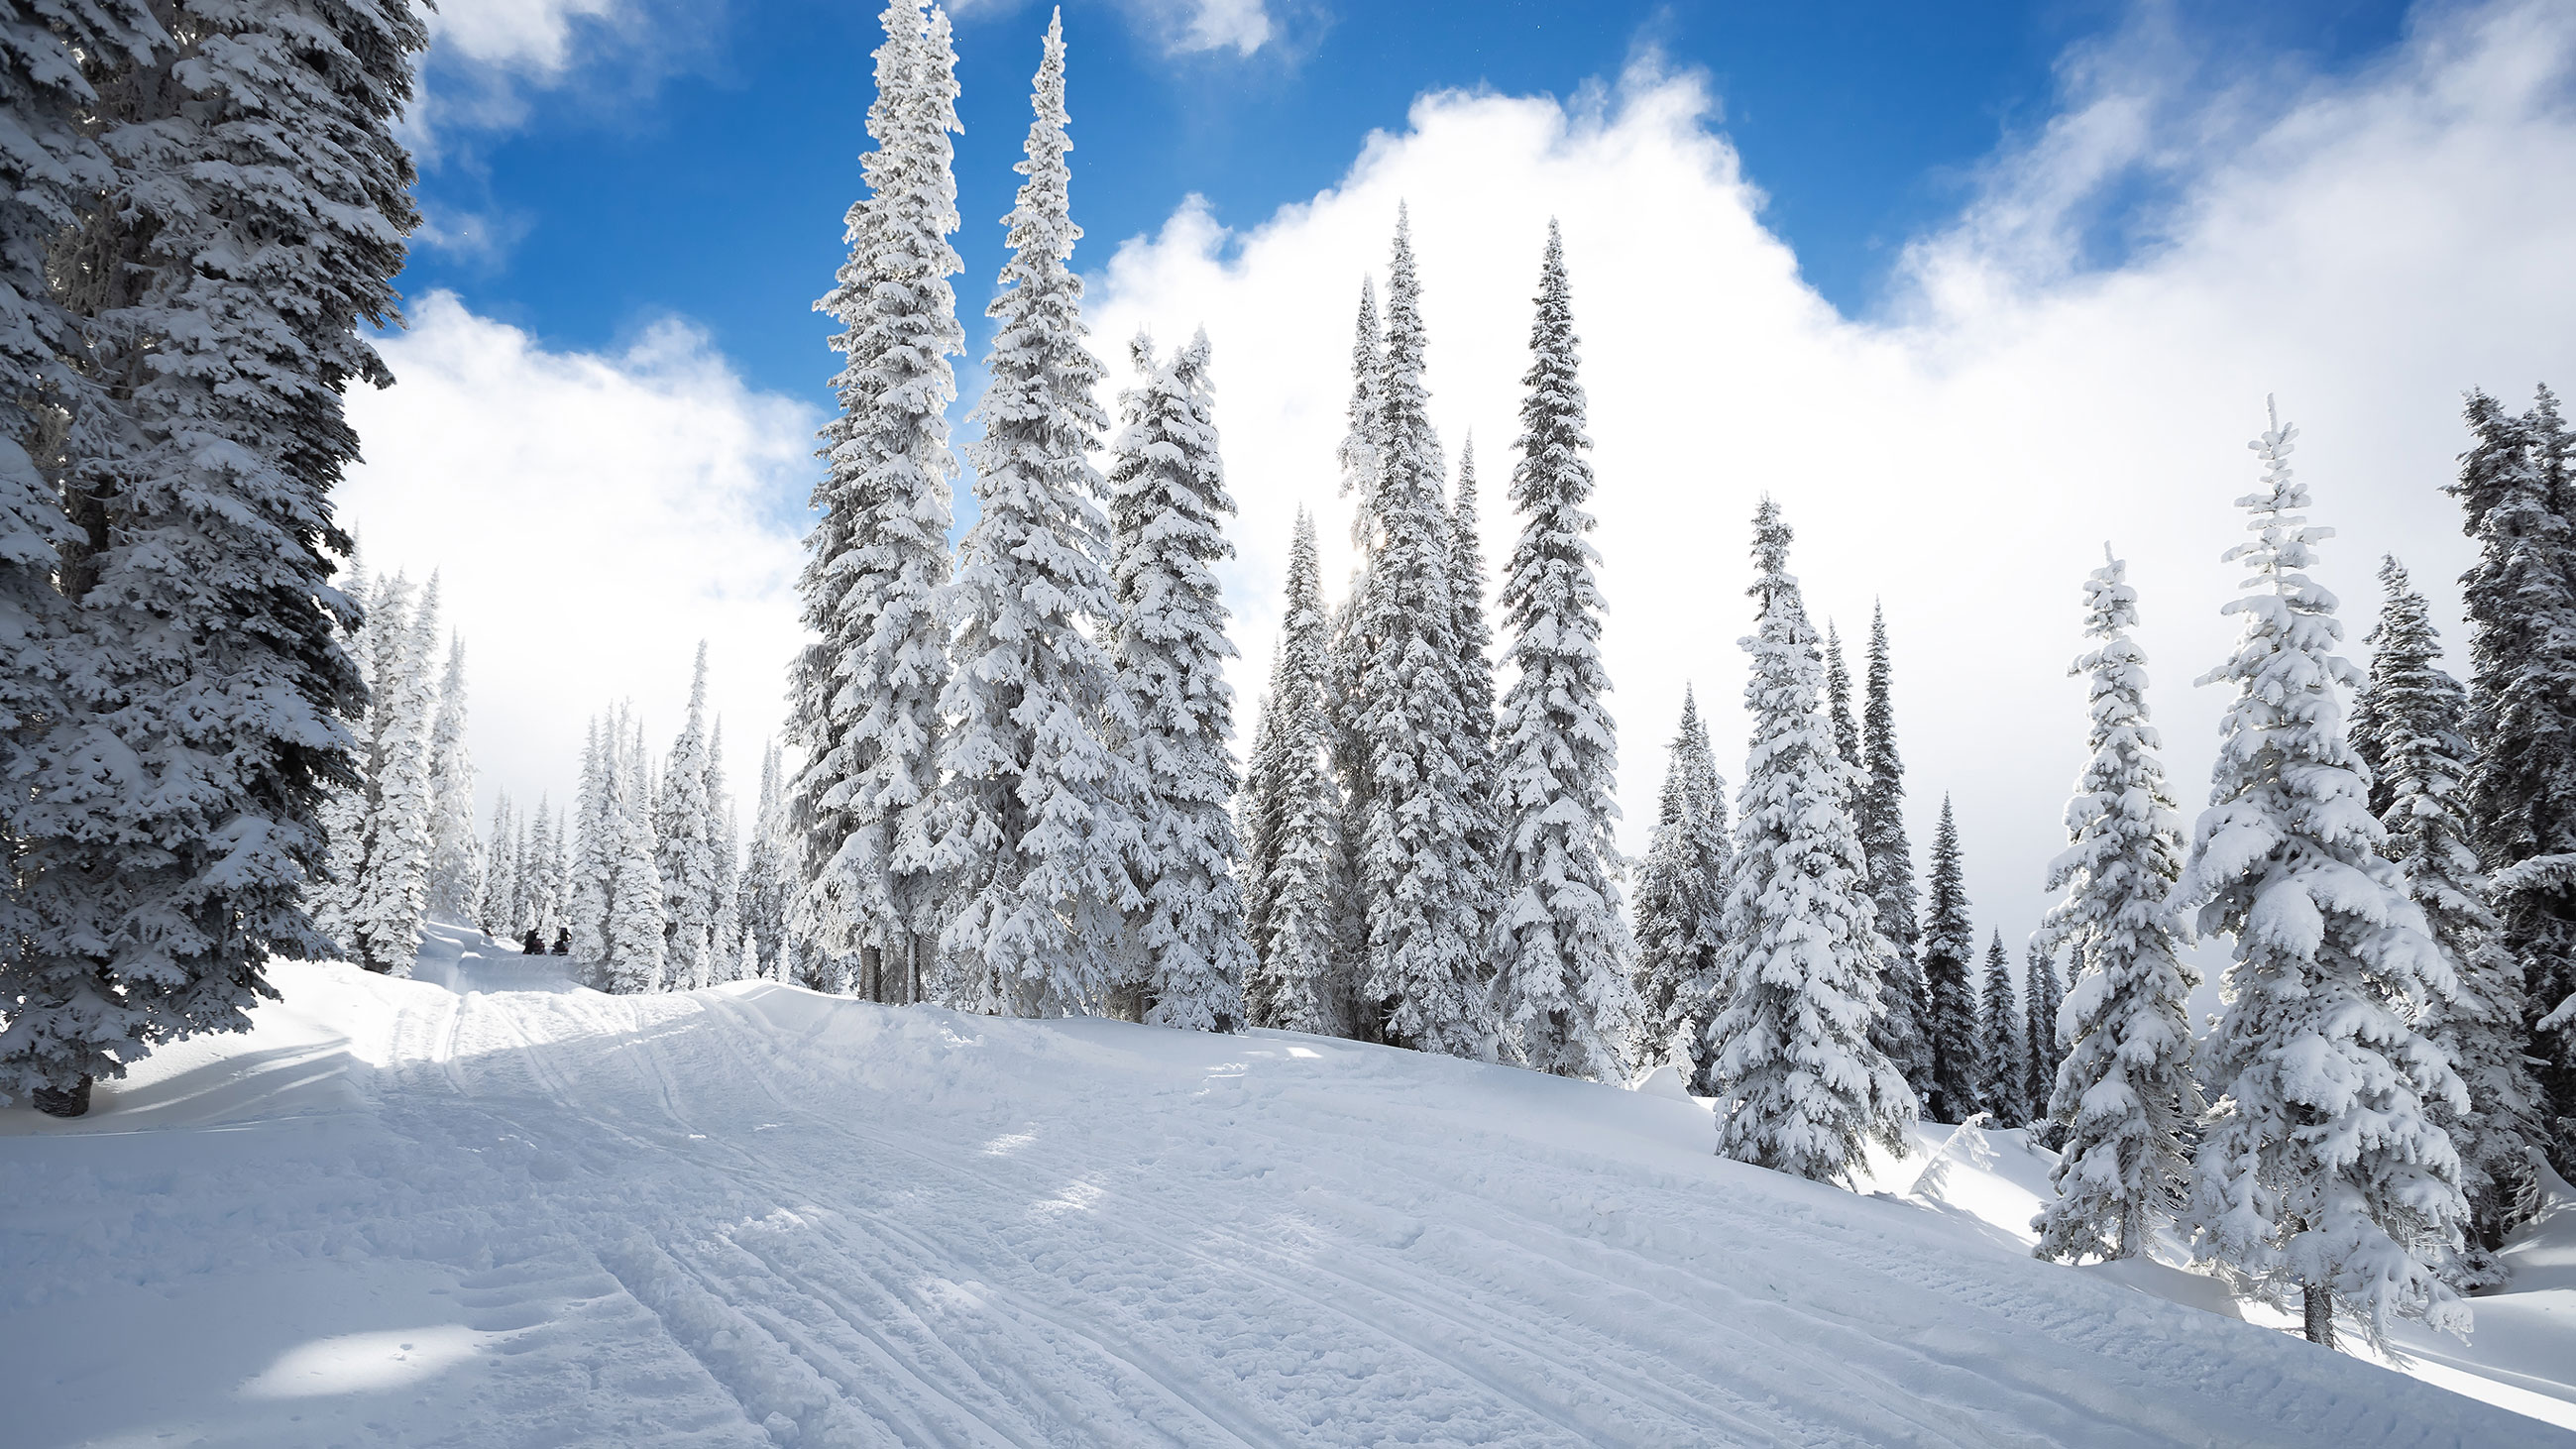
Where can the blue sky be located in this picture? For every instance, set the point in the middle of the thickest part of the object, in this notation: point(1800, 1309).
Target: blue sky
point(696, 161)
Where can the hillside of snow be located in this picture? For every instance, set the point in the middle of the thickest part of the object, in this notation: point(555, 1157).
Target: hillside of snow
point(488, 1207)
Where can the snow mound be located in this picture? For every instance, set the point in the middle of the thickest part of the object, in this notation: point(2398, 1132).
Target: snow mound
point(485, 1206)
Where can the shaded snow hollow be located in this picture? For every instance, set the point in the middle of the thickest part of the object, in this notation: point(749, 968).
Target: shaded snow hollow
point(486, 1207)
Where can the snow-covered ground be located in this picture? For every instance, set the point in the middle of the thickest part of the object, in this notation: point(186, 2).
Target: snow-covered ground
point(486, 1207)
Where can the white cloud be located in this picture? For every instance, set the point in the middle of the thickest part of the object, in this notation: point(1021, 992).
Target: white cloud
point(2364, 248)
point(592, 517)
point(1176, 27)
point(521, 35)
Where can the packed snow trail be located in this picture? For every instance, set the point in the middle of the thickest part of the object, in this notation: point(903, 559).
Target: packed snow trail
point(500, 1210)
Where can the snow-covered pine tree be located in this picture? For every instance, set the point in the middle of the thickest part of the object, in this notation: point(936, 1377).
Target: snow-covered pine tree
point(637, 928)
point(1305, 971)
point(1681, 897)
point(2521, 790)
point(198, 476)
point(1950, 995)
point(2003, 1040)
point(1900, 1030)
point(1801, 1087)
point(390, 898)
point(2124, 1095)
point(2042, 992)
point(68, 1021)
point(1563, 992)
point(724, 845)
point(1035, 820)
point(1838, 701)
point(1256, 813)
point(541, 874)
point(1424, 963)
point(867, 713)
point(765, 878)
point(1167, 510)
point(332, 895)
point(593, 867)
point(684, 847)
point(2321, 1170)
point(499, 906)
point(2416, 712)
point(456, 857)
point(1360, 457)
point(1476, 738)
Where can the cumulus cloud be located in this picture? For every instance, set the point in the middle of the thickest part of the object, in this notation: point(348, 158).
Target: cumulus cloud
point(1177, 27)
point(591, 517)
point(2364, 248)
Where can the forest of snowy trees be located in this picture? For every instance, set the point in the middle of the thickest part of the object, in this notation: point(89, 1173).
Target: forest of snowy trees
point(1008, 783)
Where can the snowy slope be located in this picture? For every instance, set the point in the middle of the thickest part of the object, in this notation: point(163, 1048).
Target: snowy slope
point(487, 1207)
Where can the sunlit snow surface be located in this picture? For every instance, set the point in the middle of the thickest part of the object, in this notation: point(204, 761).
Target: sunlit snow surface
point(485, 1207)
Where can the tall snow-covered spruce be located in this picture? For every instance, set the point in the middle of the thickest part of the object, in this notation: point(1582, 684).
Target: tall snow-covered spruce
point(2003, 1045)
point(248, 219)
point(2124, 1094)
point(1035, 823)
point(766, 883)
point(2042, 992)
point(2322, 1172)
point(1303, 974)
point(1565, 999)
point(2519, 500)
point(1167, 511)
point(684, 850)
point(456, 857)
point(1801, 1087)
point(389, 883)
point(1477, 744)
point(1681, 895)
point(866, 704)
point(1423, 967)
point(2420, 757)
point(1949, 988)
point(1902, 1027)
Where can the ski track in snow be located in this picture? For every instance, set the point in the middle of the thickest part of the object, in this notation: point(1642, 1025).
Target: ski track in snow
point(753, 1216)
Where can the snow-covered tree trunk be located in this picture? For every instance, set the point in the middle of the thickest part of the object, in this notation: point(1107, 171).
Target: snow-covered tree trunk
point(1035, 820)
point(1801, 1088)
point(1681, 895)
point(1566, 1003)
point(2321, 1170)
point(2415, 714)
point(1901, 1030)
point(2520, 504)
point(1949, 992)
point(2123, 1095)
point(1423, 969)
point(250, 220)
point(867, 710)
point(456, 857)
point(1167, 509)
